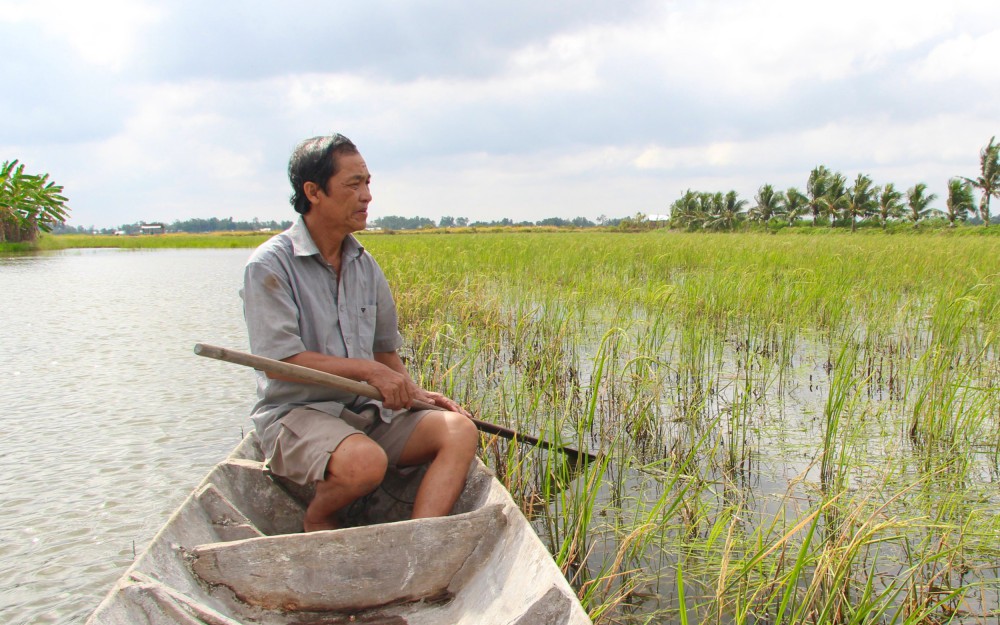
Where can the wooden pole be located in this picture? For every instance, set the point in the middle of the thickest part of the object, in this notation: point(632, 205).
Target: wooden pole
point(322, 378)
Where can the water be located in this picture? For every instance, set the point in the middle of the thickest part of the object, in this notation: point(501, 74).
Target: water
point(108, 418)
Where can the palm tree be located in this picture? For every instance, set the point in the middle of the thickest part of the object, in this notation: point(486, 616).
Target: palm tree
point(684, 212)
point(714, 202)
point(708, 204)
point(890, 204)
point(960, 202)
point(835, 198)
point(860, 200)
point(816, 190)
point(988, 181)
point(729, 211)
point(919, 203)
point(768, 204)
point(795, 204)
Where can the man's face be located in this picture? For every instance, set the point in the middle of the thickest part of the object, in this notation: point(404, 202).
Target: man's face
point(343, 205)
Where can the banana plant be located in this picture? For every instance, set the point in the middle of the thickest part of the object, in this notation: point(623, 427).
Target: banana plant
point(28, 203)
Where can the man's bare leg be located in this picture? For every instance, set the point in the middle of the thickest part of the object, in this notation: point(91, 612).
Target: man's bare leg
point(356, 468)
point(448, 441)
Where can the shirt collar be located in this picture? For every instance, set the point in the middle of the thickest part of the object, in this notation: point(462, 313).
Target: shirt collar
point(303, 244)
point(352, 248)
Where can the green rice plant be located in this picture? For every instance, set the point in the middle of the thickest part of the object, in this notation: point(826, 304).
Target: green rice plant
point(841, 405)
point(572, 515)
point(697, 363)
point(953, 406)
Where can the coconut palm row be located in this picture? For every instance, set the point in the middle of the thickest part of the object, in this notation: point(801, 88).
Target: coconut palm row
point(829, 197)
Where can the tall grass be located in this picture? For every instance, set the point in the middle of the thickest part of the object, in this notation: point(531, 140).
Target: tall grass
point(805, 426)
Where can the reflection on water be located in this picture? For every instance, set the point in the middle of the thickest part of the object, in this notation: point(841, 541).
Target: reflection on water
point(108, 419)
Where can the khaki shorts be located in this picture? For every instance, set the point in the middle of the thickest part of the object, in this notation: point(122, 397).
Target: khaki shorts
point(308, 437)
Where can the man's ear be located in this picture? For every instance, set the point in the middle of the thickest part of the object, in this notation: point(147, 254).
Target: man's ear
point(311, 191)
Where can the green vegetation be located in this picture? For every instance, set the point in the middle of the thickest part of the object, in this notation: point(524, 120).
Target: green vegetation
point(28, 203)
point(190, 226)
point(795, 429)
point(249, 239)
point(176, 240)
point(988, 181)
point(830, 201)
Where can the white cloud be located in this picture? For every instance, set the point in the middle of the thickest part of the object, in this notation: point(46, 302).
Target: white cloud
point(964, 57)
point(608, 112)
point(564, 62)
point(752, 50)
point(101, 32)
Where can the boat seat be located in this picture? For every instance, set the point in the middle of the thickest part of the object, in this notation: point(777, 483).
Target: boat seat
point(296, 571)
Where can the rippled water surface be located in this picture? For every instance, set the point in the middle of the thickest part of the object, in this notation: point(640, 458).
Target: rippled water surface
point(108, 418)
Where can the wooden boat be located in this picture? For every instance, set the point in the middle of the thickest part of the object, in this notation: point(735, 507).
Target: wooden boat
point(233, 553)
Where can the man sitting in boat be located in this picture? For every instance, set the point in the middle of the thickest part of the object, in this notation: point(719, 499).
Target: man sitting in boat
point(313, 296)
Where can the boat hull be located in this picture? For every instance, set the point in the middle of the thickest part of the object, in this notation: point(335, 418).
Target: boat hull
point(233, 553)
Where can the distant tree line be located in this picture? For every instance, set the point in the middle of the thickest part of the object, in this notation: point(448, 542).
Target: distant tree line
point(212, 224)
point(29, 203)
point(829, 199)
point(395, 222)
point(226, 225)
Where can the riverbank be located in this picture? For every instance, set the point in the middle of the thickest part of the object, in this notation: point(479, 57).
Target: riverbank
point(217, 240)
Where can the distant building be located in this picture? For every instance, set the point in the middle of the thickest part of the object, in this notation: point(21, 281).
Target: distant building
point(152, 229)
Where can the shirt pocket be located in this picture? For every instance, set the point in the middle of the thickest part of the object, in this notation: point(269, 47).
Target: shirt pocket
point(366, 315)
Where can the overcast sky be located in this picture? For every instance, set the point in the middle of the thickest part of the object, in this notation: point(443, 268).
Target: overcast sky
point(159, 111)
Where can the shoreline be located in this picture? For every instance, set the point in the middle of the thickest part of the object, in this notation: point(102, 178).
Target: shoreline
point(244, 239)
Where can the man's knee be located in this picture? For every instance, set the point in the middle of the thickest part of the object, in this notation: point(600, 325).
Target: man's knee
point(358, 464)
point(462, 433)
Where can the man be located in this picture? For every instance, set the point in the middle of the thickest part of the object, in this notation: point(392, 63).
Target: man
point(314, 297)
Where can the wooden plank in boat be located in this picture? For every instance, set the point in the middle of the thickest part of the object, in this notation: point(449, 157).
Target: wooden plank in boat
point(366, 567)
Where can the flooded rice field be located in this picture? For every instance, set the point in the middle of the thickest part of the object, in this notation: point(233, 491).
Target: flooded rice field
point(791, 429)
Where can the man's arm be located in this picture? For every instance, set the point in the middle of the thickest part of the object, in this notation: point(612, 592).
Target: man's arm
point(398, 390)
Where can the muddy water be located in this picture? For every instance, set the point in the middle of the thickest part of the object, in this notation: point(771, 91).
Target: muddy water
point(107, 418)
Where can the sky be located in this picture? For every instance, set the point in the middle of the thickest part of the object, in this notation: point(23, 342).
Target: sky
point(164, 111)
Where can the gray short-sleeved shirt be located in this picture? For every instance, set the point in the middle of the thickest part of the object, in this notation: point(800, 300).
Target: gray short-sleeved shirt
point(293, 302)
